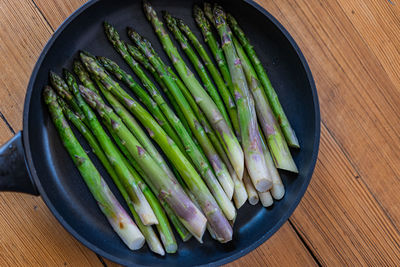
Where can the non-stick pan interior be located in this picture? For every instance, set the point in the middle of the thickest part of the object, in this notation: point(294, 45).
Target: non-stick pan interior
point(60, 183)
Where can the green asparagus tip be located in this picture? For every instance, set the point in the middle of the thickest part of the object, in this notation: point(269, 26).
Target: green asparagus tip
point(219, 12)
point(200, 17)
point(131, 31)
point(77, 66)
point(58, 82)
point(86, 53)
point(67, 74)
point(197, 10)
point(134, 35)
point(208, 11)
point(180, 22)
point(231, 19)
point(90, 97)
point(110, 31)
point(168, 17)
point(148, 9)
point(52, 75)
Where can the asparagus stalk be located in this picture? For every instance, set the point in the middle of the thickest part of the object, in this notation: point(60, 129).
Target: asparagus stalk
point(216, 51)
point(206, 104)
point(240, 194)
point(288, 131)
point(172, 25)
point(163, 225)
point(147, 231)
point(251, 142)
point(266, 198)
point(62, 89)
point(208, 11)
point(108, 204)
point(129, 121)
point(140, 203)
point(251, 191)
point(215, 74)
point(269, 125)
point(278, 189)
point(166, 187)
point(139, 57)
point(197, 157)
point(198, 113)
point(120, 46)
point(185, 168)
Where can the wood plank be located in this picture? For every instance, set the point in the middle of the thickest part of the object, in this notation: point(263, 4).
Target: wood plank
point(358, 91)
point(56, 11)
point(23, 33)
point(358, 99)
point(31, 236)
point(339, 217)
point(277, 251)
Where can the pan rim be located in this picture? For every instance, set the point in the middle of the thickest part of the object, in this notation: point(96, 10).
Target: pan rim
point(31, 168)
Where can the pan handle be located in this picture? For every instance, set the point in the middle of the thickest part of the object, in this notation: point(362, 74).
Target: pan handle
point(14, 175)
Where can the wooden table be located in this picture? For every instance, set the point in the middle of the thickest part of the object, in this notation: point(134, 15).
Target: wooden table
point(350, 214)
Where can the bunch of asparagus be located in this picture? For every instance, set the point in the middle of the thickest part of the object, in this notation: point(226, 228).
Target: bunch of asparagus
point(222, 138)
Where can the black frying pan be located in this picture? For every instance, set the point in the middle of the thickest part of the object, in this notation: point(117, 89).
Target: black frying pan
point(35, 161)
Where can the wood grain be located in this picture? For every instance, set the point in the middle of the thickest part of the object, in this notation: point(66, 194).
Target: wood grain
point(31, 236)
point(279, 250)
point(339, 217)
point(57, 11)
point(23, 33)
point(359, 100)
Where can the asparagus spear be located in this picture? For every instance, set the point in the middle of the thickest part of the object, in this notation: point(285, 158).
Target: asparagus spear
point(129, 121)
point(207, 202)
point(251, 142)
point(208, 11)
point(266, 198)
point(140, 203)
point(164, 233)
point(180, 228)
point(240, 194)
point(214, 46)
point(288, 131)
point(172, 25)
point(108, 204)
point(278, 189)
point(120, 46)
point(163, 226)
point(166, 187)
point(206, 104)
point(269, 125)
point(202, 164)
point(139, 57)
point(212, 69)
point(147, 231)
point(251, 191)
point(62, 89)
point(197, 157)
point(198, 113)
point(185, 168)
